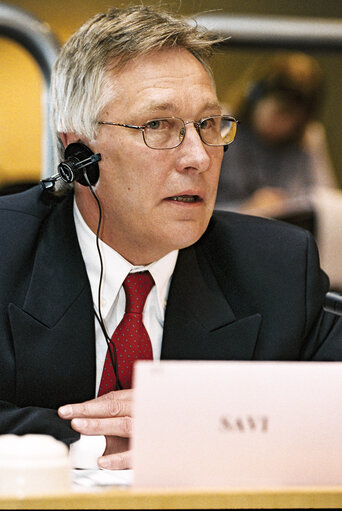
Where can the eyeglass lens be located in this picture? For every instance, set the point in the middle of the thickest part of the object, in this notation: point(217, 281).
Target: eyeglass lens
point(169, 132)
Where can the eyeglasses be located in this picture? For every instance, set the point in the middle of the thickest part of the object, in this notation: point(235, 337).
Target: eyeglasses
point(169, 132)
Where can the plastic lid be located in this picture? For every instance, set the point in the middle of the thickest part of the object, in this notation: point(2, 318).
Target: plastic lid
point(25, 447)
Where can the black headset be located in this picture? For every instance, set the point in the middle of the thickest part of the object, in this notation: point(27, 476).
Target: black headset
point(80, 165)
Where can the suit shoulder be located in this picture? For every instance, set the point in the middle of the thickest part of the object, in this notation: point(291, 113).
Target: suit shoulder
point(24, 215)
point(24, 221)
point(31, 203)
point(261, 253)
point(247, 224)
point(265, 237)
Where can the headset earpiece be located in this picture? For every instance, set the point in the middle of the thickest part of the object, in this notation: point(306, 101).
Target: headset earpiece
point(79, 160)
point(80, 165)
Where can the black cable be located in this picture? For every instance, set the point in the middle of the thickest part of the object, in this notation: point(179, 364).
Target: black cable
point(112, 354)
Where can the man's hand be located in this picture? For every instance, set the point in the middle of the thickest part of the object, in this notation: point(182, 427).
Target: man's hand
point(109, 415)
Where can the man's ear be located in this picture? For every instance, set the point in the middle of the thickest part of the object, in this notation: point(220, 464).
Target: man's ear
point(69, 138)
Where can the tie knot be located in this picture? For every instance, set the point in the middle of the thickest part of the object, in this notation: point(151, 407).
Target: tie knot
point(137, 286)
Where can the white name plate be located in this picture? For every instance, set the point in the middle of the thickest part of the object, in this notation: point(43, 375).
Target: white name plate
point(237, 424)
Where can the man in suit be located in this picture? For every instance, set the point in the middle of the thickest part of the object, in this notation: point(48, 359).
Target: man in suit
point(135, 87)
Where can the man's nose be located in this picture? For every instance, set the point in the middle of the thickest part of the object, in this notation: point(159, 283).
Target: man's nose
point(193, 152)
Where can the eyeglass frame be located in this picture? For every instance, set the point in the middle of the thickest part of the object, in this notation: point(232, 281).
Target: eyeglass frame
point(197, 125)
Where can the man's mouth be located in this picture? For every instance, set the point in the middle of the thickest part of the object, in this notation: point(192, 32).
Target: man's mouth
point(185, 198)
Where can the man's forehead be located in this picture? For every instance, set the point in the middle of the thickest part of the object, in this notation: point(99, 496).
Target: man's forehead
point(168, 80)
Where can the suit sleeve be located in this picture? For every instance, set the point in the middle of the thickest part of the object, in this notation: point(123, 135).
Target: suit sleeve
point(323, 330)
point(35, 420)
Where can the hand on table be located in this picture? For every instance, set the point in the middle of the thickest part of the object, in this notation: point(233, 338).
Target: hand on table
point(109, 415)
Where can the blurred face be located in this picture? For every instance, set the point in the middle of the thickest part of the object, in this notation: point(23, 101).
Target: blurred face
point(155, 201)
point(276, 121)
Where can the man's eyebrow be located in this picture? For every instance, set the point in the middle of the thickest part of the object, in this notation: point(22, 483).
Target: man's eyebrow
point(167, 106)
point(213, 105)
point(155, 106)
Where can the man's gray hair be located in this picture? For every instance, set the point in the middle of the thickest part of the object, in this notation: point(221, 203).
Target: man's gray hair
point(80, 84)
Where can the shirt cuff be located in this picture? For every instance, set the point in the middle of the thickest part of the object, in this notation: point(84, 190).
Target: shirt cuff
point(85, 452)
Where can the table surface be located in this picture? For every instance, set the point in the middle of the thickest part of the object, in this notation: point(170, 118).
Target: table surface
point(134, 498)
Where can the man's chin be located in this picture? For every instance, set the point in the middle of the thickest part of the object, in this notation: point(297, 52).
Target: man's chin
point(185, 237)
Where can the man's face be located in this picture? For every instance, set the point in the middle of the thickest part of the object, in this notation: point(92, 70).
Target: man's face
point(155, 201)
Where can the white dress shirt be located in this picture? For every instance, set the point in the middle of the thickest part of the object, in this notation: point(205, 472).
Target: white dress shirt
point(112, 308)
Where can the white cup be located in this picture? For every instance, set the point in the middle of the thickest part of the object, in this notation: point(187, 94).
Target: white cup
point(34, 465)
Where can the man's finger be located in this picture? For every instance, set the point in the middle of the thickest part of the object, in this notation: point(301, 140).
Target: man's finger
point(115, 444)
point(119, 426)
point(120, 461)
point(126, 394)
point(113, 404)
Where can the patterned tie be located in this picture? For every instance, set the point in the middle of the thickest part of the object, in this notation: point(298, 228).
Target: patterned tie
point(130, 338)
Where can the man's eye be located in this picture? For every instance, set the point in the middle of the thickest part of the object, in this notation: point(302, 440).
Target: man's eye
point(154, 125)
point(207, 123)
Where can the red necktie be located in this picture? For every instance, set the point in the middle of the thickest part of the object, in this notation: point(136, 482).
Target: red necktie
point(130, 338)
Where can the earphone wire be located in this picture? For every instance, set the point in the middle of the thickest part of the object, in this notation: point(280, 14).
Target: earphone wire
point(112, 353)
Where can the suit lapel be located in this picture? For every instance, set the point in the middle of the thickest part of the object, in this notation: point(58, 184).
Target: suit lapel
point(54, 328)
point(199, 322)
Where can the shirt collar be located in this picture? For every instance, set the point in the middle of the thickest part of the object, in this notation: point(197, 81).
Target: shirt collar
point(116, 268)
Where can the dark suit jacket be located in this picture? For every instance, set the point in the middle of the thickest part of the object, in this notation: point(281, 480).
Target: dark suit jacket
point(250, 289)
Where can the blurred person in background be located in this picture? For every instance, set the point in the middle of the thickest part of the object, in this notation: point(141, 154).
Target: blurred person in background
point(281, 152)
